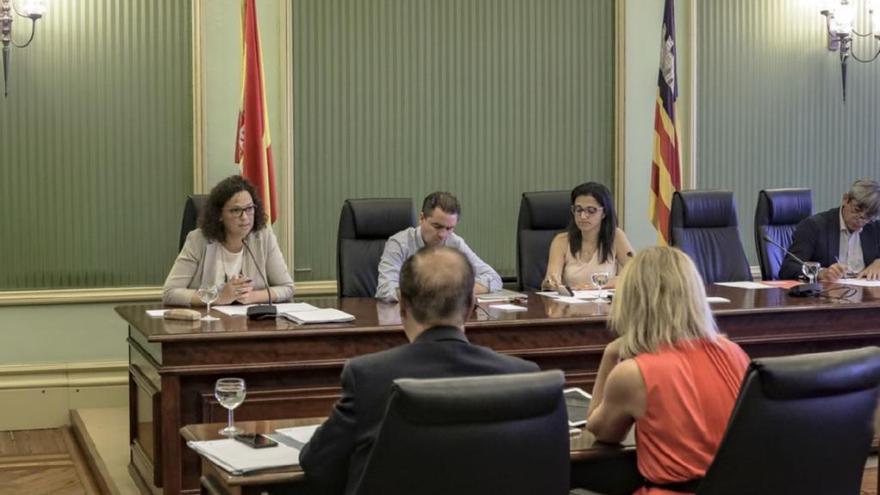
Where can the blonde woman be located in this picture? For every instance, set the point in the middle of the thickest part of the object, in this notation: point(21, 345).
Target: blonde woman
point(670, 372)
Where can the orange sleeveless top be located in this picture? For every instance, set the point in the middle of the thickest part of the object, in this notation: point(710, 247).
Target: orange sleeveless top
point(691, 390)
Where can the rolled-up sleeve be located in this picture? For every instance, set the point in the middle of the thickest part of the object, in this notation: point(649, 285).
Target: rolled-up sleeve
point(176, 291)
point(280, 282)
point(484, 274)
point(390, 264)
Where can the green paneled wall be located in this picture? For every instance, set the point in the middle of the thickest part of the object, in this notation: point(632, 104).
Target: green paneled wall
point(484, 98)
point(769, 106)
point(96, 145)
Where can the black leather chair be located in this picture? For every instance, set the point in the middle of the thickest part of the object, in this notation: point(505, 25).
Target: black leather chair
point(191, 211)
point(777, 215)
point(542, 215)
point(802, 424)
point(364, 226)
point(477, 435)
point(703, 224)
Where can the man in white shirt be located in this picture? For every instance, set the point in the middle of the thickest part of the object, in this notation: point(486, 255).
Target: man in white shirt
point(437, 221)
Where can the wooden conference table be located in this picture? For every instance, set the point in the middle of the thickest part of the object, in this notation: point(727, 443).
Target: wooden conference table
point(588, 457)
point(293, 371)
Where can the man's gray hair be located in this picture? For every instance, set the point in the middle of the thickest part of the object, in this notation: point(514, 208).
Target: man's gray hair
point(865, 193)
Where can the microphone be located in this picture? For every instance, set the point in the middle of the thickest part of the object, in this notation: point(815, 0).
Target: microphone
point(803, 290)
point(261, 311)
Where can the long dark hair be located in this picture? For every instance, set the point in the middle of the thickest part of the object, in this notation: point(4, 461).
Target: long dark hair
point(211, 221)
point(609, 224)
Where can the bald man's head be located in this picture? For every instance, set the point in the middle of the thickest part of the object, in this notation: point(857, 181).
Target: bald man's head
point(437, 285)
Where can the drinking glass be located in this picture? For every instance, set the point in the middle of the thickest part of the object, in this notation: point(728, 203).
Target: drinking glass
point(230, 394)
point(209, 294)
point(811, 270)
point(600, 279)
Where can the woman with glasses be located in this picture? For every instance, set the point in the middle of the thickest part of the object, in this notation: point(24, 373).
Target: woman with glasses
point(591, 244)
point(232, 249)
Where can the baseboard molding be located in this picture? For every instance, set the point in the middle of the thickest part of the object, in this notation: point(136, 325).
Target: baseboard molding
point(44, 394)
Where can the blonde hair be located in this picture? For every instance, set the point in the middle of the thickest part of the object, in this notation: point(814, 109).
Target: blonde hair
point(660, 301)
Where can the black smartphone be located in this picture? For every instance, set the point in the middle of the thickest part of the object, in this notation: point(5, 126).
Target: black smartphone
point(255, 440)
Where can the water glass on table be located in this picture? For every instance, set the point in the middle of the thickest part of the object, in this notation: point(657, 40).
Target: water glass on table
point(209, 294)
point(600, 279)
point(811, 270)
point(230, 393)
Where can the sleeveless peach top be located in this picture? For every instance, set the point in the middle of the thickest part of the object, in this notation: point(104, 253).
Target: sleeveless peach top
point(691, 390)
point(576, 272)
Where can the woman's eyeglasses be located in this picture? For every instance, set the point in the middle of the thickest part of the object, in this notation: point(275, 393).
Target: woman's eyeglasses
point(588, 211)
point(238, 212)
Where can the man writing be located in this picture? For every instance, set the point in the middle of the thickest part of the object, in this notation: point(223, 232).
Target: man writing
point(844, 240)
point(436, 297)
point(437, 220)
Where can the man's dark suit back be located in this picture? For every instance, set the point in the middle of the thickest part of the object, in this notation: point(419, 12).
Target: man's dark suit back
point(335, 459)
point(817, 238)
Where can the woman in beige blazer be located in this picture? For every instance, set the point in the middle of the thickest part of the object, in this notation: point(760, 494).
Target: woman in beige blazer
point(232, 248)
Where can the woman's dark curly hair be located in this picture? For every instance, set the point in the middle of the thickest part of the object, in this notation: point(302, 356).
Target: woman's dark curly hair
point(609, 224)
point(211, 220)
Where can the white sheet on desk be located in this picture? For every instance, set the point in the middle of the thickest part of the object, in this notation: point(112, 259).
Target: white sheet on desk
point(156, 313)
point(241, 310)
point(716, 299)
point(745, 285)
point(570, 300)
point(507, 307)
point(238, 458)
point(591, 293)
point(860, 282)
point(301, 434)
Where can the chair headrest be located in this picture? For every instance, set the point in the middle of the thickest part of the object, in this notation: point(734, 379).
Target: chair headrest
point(707, 209)
point(478, 399)
point(545, 210)
point(788, 206)
point(380, 218)
point(821, 374)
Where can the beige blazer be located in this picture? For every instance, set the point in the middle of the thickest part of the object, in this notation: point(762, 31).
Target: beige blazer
point(198, 260)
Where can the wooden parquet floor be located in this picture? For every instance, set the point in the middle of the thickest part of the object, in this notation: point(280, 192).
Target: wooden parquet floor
point(37, 462)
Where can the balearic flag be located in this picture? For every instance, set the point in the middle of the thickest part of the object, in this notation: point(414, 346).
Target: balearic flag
point(666, 160)
point(253, 146)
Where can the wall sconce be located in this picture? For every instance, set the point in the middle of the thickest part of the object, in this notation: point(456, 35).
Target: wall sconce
point(33, 10)
point(840, 20)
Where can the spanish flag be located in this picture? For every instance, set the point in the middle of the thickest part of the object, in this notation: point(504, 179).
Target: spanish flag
point(666, 160)
point(253, 146)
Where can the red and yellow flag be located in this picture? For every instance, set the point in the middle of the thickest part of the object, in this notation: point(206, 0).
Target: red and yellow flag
point(666, 160)
point(253, 146)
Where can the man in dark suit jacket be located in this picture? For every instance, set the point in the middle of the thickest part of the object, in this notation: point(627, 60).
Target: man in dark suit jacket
point(436, 297)
point(844, 240)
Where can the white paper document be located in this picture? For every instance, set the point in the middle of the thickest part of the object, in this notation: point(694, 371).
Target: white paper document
point(571, 300)
point(745, 285)
point(500, 295)
point(323, 315)
point(508, 307)
point(859, 282)
point(238, 458)
point(156, 313)
point(711, 300)
point(591, 294)
point(241, 310)
point(300, 434)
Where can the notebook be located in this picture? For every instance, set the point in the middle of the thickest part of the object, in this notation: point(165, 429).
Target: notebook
point(323, 315)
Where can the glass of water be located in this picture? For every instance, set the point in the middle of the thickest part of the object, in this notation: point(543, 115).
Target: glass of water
point(811, 270)
point(230, 394)
point(600, 279)
point(209, 294)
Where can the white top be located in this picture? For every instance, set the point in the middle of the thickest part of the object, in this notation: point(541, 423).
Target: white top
point(850, 252)
point(229, 265)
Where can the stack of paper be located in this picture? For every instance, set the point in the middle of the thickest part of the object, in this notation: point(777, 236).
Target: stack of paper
point(299, 435)
point(238, 458)
point(502, 295)
point(241, 310)
point(324, 315)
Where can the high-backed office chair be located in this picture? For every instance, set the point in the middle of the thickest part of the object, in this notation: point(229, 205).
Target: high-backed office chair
point(703, 224)
point(195, 203)
point(364, 226)
point(478, 435)
point(777, 215)
point(801, 424)
point(542, 215)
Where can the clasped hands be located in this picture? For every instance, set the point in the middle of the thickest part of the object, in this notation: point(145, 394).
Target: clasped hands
point(838, 271)
point(239, 289)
